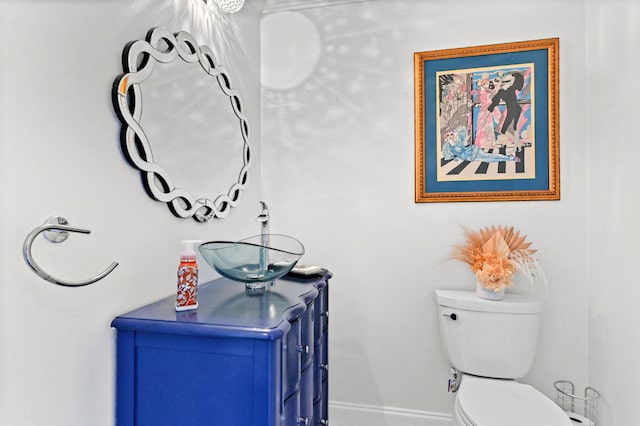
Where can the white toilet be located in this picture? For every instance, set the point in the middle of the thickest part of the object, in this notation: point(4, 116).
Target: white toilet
point(492, 343)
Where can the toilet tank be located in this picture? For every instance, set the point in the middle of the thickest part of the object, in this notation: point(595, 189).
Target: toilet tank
point(489, 338)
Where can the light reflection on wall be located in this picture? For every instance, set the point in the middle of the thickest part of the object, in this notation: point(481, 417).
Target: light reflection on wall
point(288, 61)
point(336, 84)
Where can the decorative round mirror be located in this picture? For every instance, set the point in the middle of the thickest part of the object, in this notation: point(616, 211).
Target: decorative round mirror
point(193, 125)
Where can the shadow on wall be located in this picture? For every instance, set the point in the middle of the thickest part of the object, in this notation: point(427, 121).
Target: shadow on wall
point(354, 372)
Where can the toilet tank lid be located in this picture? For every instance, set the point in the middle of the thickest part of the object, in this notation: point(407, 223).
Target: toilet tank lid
point(511, 304)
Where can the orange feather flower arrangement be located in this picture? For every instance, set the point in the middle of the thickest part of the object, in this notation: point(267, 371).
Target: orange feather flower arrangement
point(494, 254)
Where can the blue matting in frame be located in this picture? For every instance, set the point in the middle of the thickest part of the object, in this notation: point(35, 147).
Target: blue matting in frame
point(541, 95)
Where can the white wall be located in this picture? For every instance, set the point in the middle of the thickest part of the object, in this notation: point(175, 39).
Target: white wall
point(60, 155)
point(338, 171)
point(613, 38)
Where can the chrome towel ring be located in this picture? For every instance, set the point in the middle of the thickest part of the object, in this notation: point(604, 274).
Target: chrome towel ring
point(56, 230)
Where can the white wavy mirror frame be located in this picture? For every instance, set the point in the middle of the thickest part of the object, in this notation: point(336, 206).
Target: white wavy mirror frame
point(139, 59)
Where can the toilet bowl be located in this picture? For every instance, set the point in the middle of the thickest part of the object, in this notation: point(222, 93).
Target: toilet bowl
point(491, 344)
point(496, 402)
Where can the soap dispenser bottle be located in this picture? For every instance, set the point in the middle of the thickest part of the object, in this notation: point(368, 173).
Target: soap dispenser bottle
point(187, 296)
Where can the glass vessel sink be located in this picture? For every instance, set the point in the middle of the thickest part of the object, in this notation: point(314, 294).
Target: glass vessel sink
point(254, 260)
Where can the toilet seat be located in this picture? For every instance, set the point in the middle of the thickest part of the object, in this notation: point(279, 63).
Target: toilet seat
point(495, 402)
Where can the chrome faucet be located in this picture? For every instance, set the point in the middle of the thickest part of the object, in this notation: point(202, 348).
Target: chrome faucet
point(263, 218)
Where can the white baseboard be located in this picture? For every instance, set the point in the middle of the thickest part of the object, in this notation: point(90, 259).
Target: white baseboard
point(349, 414)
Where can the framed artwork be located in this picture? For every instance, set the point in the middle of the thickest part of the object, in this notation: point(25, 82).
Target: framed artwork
point(486, 123)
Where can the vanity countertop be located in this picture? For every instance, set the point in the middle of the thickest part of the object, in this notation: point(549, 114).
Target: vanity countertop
point(225, 309)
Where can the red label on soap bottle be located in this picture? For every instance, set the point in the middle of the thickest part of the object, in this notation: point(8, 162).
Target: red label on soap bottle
point(187, 297)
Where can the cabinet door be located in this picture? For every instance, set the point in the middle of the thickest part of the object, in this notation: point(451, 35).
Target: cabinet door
point(318, 374)
point(321, 381)
point(184, 380)
point(306, 397)
point(307, 331)
point(318, 320)
point(291, 360)
point(291, 410)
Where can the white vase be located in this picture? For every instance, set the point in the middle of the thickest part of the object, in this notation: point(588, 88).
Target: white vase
point(485, 293)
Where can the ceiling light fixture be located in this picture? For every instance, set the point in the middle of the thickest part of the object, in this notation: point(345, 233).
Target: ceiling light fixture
point(229, 6)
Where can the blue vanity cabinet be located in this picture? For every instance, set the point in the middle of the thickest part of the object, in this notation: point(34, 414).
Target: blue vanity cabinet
point(238, 360)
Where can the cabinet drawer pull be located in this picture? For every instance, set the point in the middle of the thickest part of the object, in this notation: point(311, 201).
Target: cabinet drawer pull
point(303, 421)
point(325, 367)
point(325, 314)
point(324, 422)
point(303, 349)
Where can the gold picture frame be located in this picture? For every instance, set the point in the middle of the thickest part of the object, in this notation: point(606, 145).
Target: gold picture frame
point(486, 123)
